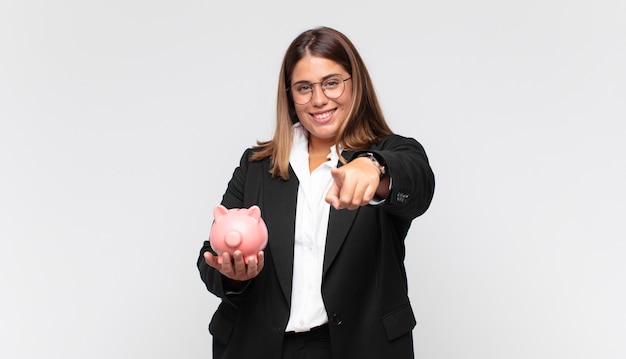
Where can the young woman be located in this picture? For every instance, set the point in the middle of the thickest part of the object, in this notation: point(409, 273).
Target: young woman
point(338, 191)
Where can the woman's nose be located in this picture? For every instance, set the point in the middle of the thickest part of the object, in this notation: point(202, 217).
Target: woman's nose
point(318, 97)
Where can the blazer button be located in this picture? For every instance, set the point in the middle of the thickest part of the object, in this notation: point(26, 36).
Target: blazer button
point(336, 319)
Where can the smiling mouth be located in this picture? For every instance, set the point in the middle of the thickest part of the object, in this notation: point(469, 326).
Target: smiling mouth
point(323, 116)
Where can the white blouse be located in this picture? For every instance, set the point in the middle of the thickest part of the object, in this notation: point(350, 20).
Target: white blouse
point(312, 211)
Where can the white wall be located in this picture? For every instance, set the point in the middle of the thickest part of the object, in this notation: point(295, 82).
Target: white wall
point(121, 122)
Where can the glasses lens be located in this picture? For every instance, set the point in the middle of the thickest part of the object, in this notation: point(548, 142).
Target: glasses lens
point(333, 87)
point(301, 93)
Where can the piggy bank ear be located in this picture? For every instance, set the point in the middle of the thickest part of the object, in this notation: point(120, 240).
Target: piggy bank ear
point(254, 212)
point(219, 211)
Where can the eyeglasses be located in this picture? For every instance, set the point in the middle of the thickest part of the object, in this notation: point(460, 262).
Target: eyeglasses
point(332, 87)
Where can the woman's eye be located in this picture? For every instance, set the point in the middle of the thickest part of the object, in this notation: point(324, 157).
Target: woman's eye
point(303, 88)
point(331, 83)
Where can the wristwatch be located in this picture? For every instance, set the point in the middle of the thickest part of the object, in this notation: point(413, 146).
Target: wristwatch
point(371, 156)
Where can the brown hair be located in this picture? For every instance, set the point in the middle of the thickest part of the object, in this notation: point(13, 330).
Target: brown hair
point(365, 123)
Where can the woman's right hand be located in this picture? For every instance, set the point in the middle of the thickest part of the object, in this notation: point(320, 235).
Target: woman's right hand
point(236, 267)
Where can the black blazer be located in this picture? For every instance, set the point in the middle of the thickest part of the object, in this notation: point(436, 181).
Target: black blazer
point(364, 283)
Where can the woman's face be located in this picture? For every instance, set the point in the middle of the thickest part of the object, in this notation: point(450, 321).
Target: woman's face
point(321, 116)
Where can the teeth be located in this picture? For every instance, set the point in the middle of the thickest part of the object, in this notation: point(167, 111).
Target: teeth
point(322, 116)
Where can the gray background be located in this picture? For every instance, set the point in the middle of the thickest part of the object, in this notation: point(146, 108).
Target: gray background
point(122, 121)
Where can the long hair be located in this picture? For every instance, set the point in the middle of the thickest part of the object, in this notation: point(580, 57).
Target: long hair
point(365, 123)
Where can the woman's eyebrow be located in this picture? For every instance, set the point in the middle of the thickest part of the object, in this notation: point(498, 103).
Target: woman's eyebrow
point(323, 78)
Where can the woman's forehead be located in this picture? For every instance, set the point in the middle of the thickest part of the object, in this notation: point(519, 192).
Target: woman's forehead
point(314, 69)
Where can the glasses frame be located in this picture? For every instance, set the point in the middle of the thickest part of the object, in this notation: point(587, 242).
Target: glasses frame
point(288, 89)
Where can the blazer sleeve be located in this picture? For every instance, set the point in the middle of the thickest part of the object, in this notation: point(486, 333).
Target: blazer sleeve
point(412, 178)
point(233, 198)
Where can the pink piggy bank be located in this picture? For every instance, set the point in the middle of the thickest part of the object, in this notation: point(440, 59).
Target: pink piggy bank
point(238, 229)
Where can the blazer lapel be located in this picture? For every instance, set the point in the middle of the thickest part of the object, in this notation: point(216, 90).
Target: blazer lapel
point(339, 222)
point(280, 215)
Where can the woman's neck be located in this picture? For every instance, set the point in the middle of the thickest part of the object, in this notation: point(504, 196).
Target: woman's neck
point(318, 152)
point(317, 145)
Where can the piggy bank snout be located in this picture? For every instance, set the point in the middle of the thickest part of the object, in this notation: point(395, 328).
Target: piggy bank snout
point(232, 239)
